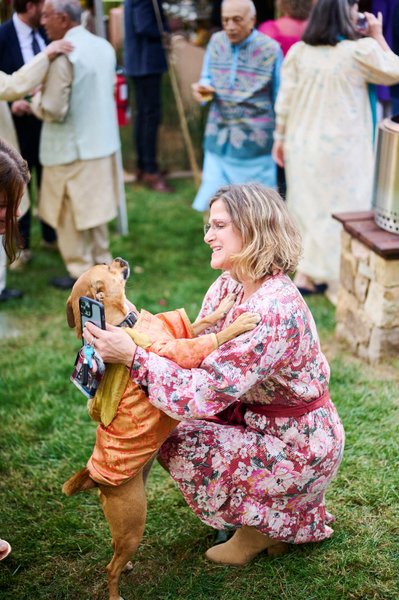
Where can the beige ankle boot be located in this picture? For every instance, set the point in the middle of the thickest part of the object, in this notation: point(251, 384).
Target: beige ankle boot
point(245, 544)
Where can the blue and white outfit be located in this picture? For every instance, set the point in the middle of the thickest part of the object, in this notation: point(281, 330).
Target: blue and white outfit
point(239, 133)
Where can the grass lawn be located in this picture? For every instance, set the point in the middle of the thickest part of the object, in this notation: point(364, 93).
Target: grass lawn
point(61, 545)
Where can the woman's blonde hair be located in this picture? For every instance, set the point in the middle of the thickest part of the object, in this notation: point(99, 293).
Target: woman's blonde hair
point(271, 241)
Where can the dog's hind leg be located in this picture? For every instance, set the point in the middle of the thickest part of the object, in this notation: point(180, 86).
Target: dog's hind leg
point(125, 508)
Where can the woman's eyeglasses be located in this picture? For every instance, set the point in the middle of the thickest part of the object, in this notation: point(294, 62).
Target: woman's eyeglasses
point(216, 226)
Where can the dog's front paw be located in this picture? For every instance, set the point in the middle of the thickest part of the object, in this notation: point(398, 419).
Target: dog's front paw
point(245, 322)
point(226, 304)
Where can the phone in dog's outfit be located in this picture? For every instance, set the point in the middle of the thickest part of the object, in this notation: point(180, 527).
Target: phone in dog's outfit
point(90, 311)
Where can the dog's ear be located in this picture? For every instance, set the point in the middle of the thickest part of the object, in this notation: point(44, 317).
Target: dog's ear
point(69, 313)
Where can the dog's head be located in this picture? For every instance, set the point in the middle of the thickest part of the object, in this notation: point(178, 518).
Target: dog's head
point(105, 283)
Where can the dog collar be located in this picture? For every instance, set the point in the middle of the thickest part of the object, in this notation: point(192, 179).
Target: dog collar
point(129, 320)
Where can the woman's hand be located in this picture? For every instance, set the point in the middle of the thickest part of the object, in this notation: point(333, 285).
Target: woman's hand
point(278, 153)
point(58, 47)
point(375, 29)
point(374, 24)
point(20, 108)
point(113, 344)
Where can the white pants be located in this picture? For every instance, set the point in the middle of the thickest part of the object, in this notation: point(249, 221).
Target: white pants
point(81, 250)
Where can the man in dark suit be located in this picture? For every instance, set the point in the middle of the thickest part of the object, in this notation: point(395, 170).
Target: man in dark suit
point(145, 63)
point(21, 38)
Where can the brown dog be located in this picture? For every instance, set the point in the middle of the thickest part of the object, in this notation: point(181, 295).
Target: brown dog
point(125, 505)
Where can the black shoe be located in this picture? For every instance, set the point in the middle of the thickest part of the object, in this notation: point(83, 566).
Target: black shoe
point(8, 294)
point(63, 283)
point(319, 288)
point(46, 245)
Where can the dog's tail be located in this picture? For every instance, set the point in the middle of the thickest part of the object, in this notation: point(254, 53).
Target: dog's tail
point(79, 482)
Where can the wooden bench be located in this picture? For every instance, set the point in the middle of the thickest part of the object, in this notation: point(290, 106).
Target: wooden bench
point(367, 312)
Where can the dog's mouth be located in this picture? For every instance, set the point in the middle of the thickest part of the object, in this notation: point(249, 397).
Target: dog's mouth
point(125, 267)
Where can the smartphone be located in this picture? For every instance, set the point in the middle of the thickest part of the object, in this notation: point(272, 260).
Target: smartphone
point(361, 23)
point(92, 311)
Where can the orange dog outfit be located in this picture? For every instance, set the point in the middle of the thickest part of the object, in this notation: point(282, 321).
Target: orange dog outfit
point(128, 437)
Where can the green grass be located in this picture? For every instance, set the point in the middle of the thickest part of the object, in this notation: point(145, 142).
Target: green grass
point(61, 545)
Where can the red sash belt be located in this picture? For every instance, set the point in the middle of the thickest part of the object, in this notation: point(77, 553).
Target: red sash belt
point(235, 413)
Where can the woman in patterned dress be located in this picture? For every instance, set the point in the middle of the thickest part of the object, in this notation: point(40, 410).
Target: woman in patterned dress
point(259, 440)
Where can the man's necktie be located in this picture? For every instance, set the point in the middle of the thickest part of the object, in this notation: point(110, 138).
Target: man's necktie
point(35, 44)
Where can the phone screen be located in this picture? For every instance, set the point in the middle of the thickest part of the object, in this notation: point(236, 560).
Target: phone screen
point(91, 310)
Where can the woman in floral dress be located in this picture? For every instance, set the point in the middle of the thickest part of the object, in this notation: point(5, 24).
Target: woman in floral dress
point(259, 440)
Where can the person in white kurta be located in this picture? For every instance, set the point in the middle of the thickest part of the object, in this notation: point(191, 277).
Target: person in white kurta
point(324, 138)
point(79, 143)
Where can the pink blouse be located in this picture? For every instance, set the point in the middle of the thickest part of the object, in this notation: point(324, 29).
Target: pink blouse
point(285, 31)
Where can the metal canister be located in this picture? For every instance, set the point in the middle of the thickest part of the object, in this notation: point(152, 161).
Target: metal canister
point(386, 176)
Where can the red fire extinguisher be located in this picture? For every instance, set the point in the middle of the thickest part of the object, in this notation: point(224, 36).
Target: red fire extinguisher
point(122, 99)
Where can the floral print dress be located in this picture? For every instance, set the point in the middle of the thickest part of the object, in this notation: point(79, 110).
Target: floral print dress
point(270, 472)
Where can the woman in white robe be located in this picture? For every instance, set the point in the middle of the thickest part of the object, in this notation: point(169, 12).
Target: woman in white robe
point(324, 132)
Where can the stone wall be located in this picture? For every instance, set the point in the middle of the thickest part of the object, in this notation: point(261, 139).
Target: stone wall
point(368, 301)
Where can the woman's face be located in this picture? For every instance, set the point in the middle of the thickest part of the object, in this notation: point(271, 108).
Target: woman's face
point(222, 237)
